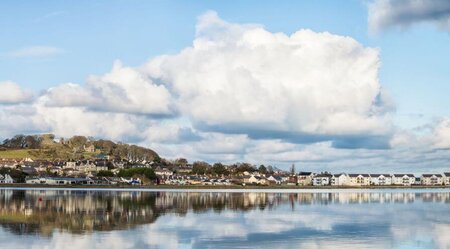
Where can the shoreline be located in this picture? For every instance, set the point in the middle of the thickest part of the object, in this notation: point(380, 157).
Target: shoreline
point(217, 187)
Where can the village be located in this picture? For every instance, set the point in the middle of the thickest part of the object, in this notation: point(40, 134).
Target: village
point(103, 170)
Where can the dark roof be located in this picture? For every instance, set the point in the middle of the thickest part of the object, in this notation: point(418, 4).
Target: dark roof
point(322, 175)
point(401, 175)
point(378, 175)
point(305, 173)
point(337, 175)
point(356, 175)
point(447, 173)
point(430, 175)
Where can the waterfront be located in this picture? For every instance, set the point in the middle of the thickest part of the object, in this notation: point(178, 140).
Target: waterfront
point(77, 218)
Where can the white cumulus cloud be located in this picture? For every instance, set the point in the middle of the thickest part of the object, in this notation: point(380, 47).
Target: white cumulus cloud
point(12, 93)
point(236, 78)
point(123, 90)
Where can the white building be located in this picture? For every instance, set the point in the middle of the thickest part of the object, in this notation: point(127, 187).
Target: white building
point(380, 179)
point(432, 179)
point(305, 178)
point(339, 179)
point(447, 178)
point(403, 179)
point(6, 179)
point(253, 179)
point(359, 179)
point(57, 180)
point(275, 179)
point(322, 180)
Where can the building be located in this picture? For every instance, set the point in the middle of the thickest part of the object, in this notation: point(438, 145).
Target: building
point(275, 180)
point(6, 179)
point(380, 179)
point(432, 179)
point(403, 179)
point(322, 180)
point(163, 172)
point(447, 178)
point(339, 179)
point(252, 179)
point(89, 149)
point(359, 179)
point(57, 180)
point(305, 178)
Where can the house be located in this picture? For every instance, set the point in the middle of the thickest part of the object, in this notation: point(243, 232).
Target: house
point(56, 180)
point(70, 164)
point(322, 179)
point(6, 179)
point(163, 172)
point(432, 179)
point(305, 178)
point(380, 179)
point(89, 149)
point(358, 180)
point(403, 179)
point(447, 178)
point(274, 180)
point(339, 179)
point(253, 179)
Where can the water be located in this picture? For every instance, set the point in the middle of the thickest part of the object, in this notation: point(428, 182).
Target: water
point(67, 218)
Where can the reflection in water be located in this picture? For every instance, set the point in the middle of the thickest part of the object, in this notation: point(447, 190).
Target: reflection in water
point(66, 218)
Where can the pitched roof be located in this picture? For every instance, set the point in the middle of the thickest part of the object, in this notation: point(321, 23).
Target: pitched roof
point(430, 175)
point(378, 175)
point(402, 175)
point(356, 175)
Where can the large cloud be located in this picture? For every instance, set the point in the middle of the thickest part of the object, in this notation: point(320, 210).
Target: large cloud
point(308, 86)
point(388, 13)
point(123, 90)
point(12, 93)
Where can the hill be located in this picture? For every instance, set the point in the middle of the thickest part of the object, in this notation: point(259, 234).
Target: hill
point(77, 147)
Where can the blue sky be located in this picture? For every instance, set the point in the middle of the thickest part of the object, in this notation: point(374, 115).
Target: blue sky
point(48, 43)
point(95, 33)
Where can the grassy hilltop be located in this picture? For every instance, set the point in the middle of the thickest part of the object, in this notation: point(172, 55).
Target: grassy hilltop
point(76, 147)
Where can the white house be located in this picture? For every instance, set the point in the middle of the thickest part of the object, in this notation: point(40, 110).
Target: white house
point(275, 179)
point(339, 179)
point(447, 178)
point(254, 180)
point(6, 179)
point(57, 180)
point(432, 179)
point(321, 180)
point(359, 179)
point(380, 179)
point(403, 179)
point(163, 172)
point(305, 178)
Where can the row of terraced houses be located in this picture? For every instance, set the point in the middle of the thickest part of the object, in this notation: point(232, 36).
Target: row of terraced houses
point(343, 179)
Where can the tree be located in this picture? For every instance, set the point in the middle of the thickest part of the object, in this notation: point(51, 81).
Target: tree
point(147, 172)
point(293, 169)
point(105, 173)
point(219, 169)
point(270, 169)
point(200, 168)
point(181, 162)
point(262, 169)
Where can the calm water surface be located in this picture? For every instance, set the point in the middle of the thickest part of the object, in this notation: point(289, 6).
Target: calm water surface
point(150, 219)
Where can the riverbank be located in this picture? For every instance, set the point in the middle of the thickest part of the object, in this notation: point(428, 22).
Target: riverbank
point(219, 187)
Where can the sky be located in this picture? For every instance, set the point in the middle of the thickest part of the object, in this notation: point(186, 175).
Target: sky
point(356, 86)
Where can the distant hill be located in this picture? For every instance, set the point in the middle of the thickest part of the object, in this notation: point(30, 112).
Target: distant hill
point(77, 147)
